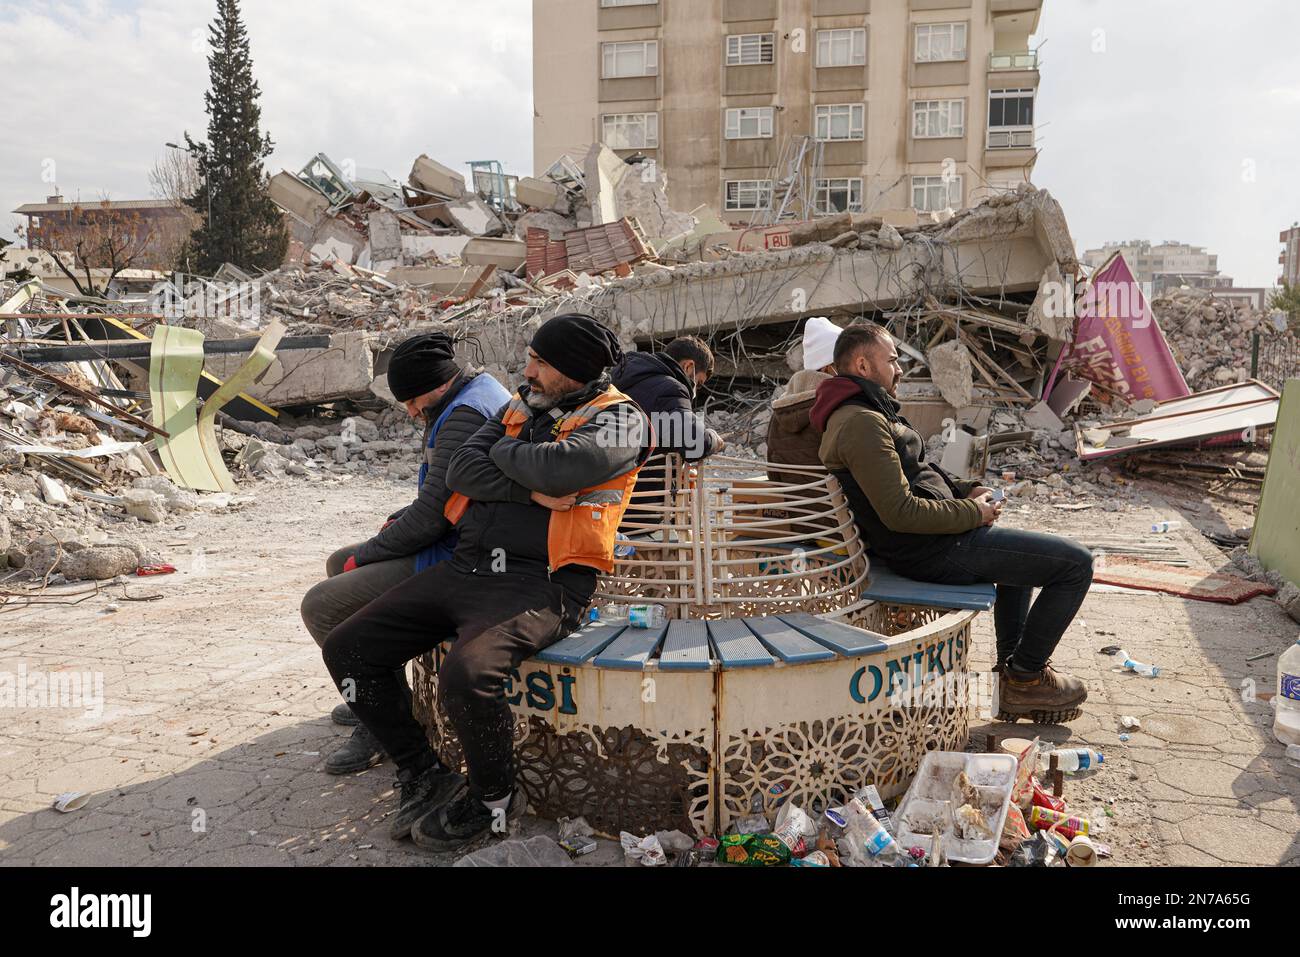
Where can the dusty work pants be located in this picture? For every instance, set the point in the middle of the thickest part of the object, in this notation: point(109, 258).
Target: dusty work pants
point(495, 622)
point(1018, 561)
point(340, 596)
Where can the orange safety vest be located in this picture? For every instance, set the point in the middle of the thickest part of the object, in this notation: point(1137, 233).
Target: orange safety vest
point(586, 534)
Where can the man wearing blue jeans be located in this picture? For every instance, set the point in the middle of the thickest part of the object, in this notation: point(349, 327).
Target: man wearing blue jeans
point(926, 525)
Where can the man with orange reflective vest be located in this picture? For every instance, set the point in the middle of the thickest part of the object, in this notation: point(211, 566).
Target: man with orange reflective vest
point(538, 493)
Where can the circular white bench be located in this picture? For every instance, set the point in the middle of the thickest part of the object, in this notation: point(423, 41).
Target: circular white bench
point(778, 673)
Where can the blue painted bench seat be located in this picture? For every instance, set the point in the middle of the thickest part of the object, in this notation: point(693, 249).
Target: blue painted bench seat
point(887, 586)
point(681, 645)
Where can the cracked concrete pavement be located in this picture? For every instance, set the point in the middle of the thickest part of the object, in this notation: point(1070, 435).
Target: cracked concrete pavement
point(214, 723)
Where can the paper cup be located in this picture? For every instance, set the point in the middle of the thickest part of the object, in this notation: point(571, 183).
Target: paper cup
point(1081, 852)
point(71, 801)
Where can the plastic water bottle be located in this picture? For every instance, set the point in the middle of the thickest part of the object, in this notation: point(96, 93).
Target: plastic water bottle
point(637, 616)
point(1160, 528)
point(1070, 760)
point(1286, 719)
point(1138, 667)
point(623, 547)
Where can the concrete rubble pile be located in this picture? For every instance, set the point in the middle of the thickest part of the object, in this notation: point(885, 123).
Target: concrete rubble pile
point(1211, 337)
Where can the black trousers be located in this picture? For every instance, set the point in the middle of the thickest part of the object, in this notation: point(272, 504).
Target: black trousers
point(496, 622)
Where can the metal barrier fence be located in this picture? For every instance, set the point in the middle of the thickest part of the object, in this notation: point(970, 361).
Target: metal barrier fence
point(1274, 359)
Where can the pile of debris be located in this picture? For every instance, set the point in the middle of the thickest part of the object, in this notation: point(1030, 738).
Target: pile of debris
point(1211, 336)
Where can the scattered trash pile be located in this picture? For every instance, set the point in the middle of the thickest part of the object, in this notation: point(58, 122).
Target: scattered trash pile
point(1211, 336)
point(962, 808)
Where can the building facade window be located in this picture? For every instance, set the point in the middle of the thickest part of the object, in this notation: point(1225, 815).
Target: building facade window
point(838, 196)
point(933, 119)
point(747, 49)
point(633, 58)
point(939, 42)
point(744, 194)
point(750, 123)
point(930, 194)
point(1011, 119)
point(841, 47)
point(840, 121)
point(630, 131)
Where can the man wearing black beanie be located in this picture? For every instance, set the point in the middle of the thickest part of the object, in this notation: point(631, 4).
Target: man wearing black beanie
point(538, 495)
point(424, 376)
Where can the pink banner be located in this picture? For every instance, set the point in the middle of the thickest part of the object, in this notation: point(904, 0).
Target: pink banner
point(1117, 341)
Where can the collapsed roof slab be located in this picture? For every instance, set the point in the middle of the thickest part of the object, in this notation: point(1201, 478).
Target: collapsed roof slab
point(991, 251)
point(308, 376)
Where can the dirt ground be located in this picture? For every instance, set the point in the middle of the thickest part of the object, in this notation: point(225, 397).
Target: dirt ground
point(214, 724)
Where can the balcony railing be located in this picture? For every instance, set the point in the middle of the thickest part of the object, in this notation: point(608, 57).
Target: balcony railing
point(1011, 138)
point(1024, 60)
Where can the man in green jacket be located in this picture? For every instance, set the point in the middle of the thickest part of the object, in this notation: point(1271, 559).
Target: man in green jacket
point(926, 525)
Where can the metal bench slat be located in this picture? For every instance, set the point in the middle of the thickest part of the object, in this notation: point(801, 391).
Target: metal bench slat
point(631, 650)
point(686, 648)
point(786, 641)
point(845, 639)
point(581, 645)
point(884, 585)
point(738, 647)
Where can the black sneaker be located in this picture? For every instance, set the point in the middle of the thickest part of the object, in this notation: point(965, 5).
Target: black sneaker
point(420, 792)
point(362, 751)
point(342, 714)
point(463, 820)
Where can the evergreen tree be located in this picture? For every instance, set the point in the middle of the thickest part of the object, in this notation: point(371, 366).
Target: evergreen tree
point(241, 225)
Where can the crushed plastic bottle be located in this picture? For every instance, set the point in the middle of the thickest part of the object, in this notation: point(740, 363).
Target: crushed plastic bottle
point(1161, 528)
point(1138, 667)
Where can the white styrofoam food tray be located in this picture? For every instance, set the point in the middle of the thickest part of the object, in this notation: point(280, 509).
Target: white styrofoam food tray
point(992, 776)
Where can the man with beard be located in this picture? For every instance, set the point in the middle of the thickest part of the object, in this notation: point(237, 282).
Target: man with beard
point(538, 495)
point(926, 525)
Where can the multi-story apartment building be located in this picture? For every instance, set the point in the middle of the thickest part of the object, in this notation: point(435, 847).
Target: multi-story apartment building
point(1289, 259)
point(926, 104)
point(1167, 265)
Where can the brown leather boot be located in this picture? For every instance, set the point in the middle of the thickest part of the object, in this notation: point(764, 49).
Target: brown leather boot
point(1044, 697)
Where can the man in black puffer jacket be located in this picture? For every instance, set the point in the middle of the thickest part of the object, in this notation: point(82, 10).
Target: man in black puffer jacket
point(664, 384)
point(423, 375)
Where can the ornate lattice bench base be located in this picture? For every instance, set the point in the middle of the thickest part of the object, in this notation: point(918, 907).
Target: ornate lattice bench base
point(697, 723)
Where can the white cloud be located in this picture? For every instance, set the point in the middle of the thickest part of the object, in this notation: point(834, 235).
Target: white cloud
point(95, 89)
point(1158, 137)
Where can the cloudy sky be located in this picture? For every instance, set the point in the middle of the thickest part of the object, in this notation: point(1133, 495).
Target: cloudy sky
point(1159, 119)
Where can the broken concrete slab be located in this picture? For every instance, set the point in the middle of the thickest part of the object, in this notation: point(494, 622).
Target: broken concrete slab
point(416, 247)
point(1043, 418)
point(294, 196)
point(385, 231)
point(951, 371)
point(471, 216)
point(309, 376)
point(989, 253)
point(444, 279)
point(508, 254)
point(554, 224)
point(1068, 394)
point(538, 193)
point(432, 177)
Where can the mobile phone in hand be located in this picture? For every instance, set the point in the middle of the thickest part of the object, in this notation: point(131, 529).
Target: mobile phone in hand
point(997, 495)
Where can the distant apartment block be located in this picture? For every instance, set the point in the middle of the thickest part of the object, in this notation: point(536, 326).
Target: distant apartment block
point(926, 104)
point(1165, 265)
point(1289, 260)
point(157, 224)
